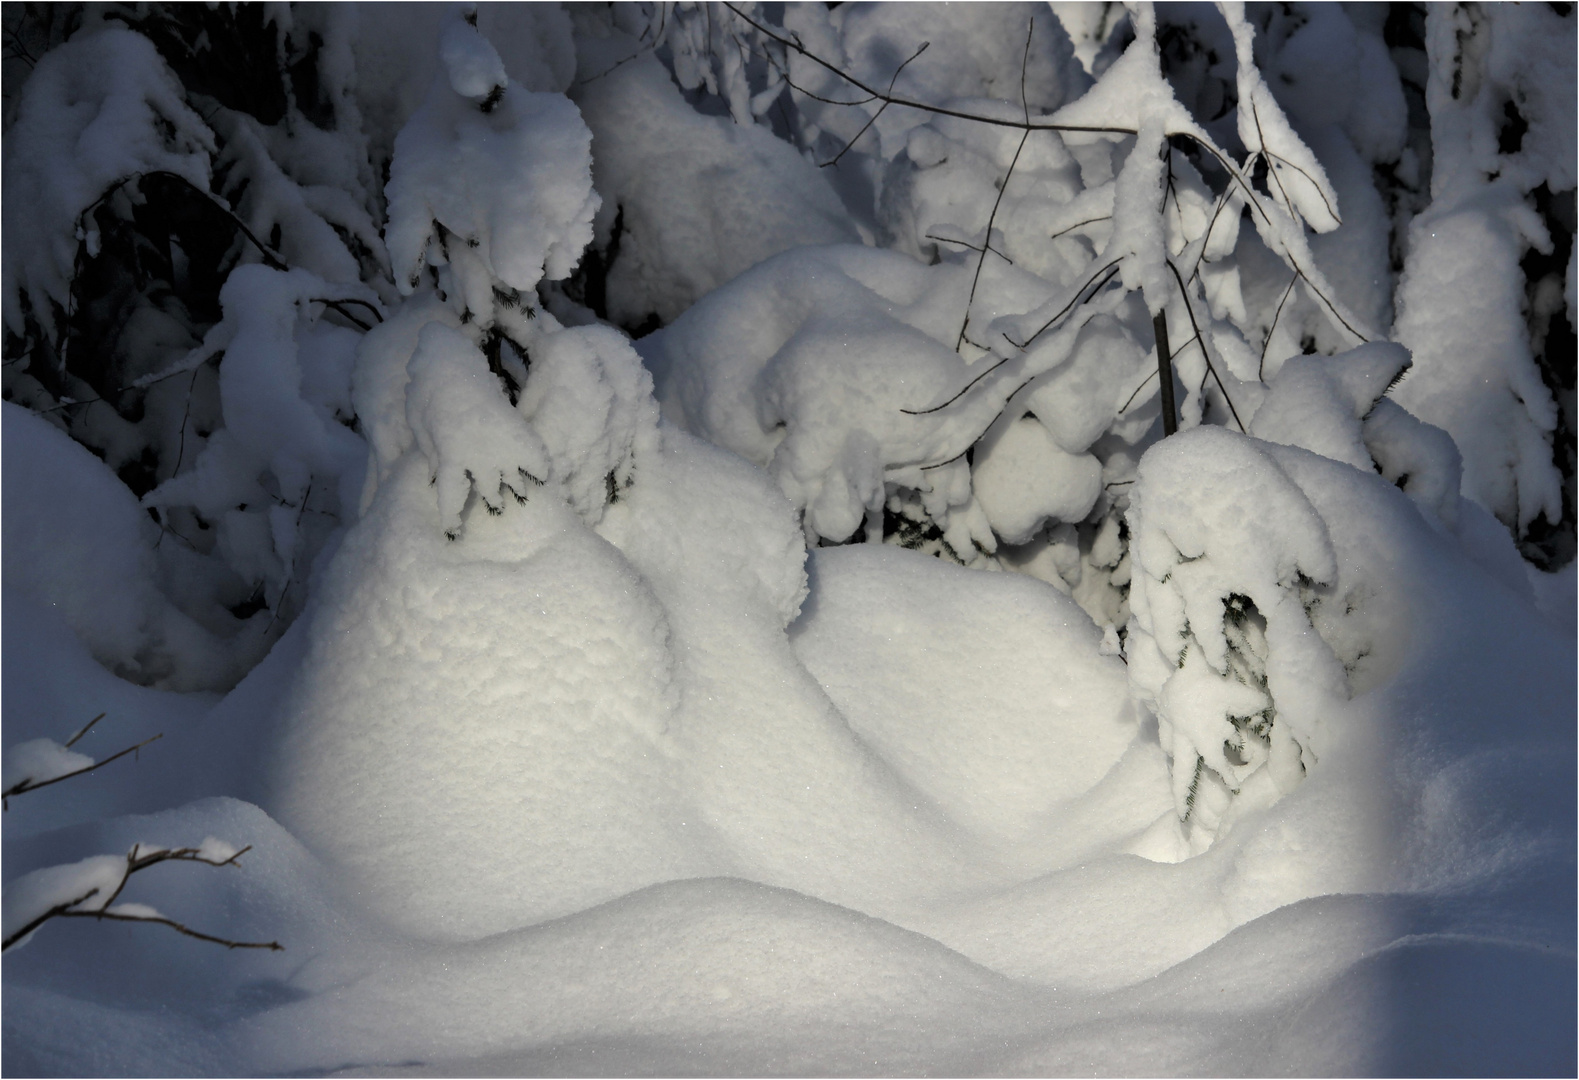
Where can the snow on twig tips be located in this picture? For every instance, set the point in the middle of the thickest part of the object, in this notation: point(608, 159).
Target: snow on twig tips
point(41, 762)
point(89, 890)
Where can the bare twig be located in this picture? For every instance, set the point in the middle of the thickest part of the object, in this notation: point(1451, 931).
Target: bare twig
point(992, 217)
point(892, 99)
point(137, 861)
point(1109, 270)
point(23, 786)
point(337, 306)
point(987, 242)
point(864, 127)
point(1261, 365)
point(1150, 375)
point(85, 729)
point(968, 246)
point(1184, 294)
point(1079, 224)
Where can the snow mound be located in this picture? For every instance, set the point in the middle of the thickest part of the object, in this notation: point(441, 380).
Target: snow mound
point(909, 648)
point(474, 736)
point(698, 199)
point(76, 540)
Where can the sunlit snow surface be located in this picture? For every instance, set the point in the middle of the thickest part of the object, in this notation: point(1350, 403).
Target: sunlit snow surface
point(601, 801)
point(622, 779)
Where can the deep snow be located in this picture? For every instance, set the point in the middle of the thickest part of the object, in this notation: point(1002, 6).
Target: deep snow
point(591, 749)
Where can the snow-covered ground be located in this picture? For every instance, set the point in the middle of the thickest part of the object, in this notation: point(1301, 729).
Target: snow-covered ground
point(576, 741)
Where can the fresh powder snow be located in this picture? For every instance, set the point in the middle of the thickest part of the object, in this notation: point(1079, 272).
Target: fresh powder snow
point(651, 539)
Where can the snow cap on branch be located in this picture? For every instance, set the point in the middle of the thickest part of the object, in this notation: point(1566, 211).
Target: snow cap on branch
point(98, 109)
point(498, 192)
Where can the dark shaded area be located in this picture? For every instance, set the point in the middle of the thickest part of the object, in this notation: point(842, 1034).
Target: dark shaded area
point(230, 53)
point(1551, 545)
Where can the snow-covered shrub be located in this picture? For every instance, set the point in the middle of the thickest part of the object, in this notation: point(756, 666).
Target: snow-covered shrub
point(1086, 233)
point(576, 758)
point(1502, 170)
point(1062, 220)
point(151, 155)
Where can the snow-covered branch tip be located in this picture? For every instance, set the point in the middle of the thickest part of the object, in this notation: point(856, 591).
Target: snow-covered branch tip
point(74, 892)
point(42, 762)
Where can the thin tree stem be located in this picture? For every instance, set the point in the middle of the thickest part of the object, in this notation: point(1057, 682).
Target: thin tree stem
point(1170, 422)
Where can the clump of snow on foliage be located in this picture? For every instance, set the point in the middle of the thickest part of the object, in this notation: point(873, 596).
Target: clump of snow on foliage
point(1229, 554)
point(493, 192)
point(690, 201)
point(465, 428)
point(590, 400)
point(98, 109)
point(1461, 300)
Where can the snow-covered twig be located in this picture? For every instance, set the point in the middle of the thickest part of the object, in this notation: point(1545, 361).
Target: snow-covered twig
point(61, 891)
point(61, 755)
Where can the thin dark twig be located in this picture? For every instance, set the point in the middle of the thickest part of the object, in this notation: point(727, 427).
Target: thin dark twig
point(950, 461)
point(1255, 111)
point(937, 110)
point(851, 144)
point(378, 315)
point(186, 414)
point(23, 786)
point(1205, 353)
point(1078, 224)
point(958, 394)
point(85, 729)
point(1261, 364)
point(68, 404)
point(986, 244)
point(280, 603)
point(967, 245)
point(864, 127)
point(272, 946)
point(22, 52)
point(136, 861)
point(1150, 375)
point(1110, 269)
point(54, 912)
point(1217, 209)
point(987, 241)
point(1025, 63)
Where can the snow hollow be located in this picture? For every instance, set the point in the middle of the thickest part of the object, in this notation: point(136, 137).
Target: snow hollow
point(761, 539)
